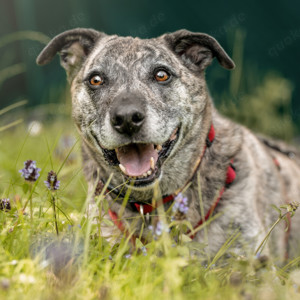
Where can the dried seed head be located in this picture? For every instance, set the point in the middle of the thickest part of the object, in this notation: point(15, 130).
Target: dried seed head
point(99, 188)
point(291, 207)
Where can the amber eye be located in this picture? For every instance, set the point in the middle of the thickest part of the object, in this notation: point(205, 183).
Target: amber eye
point(161, 76)
point(96, 80)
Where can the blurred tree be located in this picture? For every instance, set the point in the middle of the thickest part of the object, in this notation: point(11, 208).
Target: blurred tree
point(267, 109)
point(263, 35)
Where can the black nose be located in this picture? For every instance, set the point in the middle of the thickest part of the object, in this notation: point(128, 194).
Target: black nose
point(127, 113)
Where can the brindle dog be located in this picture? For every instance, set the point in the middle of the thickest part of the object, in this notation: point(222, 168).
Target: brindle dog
point(144, 113)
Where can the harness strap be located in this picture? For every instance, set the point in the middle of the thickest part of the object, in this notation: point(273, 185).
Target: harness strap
point(230, 177)
point(114, 217)
point(148, 208)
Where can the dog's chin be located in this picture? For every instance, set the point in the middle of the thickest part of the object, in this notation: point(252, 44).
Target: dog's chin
point(142, 186)
point(140, 164)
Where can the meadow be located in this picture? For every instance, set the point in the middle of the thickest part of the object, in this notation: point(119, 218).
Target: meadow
point(50, 250)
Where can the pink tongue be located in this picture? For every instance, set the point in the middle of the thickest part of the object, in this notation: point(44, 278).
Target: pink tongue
point(136, 158)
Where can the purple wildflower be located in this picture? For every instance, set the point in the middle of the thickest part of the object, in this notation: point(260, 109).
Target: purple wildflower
point(5, 204)
point(181, 204)
point(159, 228)
point(180, 208)
point(30, 172)
point(52, 183)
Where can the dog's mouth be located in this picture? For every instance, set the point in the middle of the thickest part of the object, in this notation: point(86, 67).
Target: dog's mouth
point(141, 162)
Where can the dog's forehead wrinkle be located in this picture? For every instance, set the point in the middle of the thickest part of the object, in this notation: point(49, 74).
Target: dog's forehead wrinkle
point(120, 47)
point(128, 53)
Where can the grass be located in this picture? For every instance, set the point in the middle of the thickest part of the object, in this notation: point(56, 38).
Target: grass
point(35, 263)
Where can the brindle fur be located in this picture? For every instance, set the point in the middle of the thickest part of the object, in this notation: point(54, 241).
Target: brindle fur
point(128, 63)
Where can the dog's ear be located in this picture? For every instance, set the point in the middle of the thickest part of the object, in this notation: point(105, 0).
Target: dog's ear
point(197, 50)
point(73, 46)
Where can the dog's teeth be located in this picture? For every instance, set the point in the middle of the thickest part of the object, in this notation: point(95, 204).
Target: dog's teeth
point(145, 174)
point(149, 172)
point(158, 147)
point(123, 169)
point(152, 163)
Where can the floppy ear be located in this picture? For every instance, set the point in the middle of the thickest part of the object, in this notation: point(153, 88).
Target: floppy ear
point(73, 46)
point(197, 50)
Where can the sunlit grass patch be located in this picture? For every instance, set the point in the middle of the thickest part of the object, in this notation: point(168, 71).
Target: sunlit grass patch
point(47, 255)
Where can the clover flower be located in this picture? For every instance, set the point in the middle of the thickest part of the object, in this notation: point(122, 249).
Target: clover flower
point(30, 172)
point(52, 183)
point(5, 204)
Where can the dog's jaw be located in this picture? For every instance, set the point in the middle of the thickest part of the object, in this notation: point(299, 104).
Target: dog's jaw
point(139, 164)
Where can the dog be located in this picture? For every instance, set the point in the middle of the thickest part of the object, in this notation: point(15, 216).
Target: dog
point(145, 115)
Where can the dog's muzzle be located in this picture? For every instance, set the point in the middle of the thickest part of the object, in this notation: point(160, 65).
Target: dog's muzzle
point(141, 162)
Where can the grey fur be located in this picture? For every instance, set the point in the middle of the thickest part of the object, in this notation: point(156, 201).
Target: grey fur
point(127, 65)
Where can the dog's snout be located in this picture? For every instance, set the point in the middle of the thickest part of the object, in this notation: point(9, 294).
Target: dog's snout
point(127, 114)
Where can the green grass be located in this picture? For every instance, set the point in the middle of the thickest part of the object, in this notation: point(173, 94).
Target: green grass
point(31, 259)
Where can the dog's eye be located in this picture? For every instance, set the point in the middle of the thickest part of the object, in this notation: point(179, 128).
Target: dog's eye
point(96, 80)
point(161, 76)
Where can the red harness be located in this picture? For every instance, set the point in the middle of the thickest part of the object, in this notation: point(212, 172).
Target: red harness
point(230, 177)
point(148, 208)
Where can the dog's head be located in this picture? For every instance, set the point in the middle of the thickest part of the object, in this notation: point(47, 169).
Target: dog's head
point(139, 104)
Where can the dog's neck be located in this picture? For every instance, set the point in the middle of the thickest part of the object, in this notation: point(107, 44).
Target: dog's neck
point(212, 171)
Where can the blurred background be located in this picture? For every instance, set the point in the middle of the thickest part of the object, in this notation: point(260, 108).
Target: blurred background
point(263, 38)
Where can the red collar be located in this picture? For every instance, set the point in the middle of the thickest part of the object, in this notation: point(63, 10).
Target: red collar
point(148, 208)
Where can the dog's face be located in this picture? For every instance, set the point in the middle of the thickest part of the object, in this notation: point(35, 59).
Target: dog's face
point(138, 103)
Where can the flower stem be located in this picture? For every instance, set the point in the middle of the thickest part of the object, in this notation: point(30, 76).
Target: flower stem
point(54, 213)
point(262, 244)
point(30, 203)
